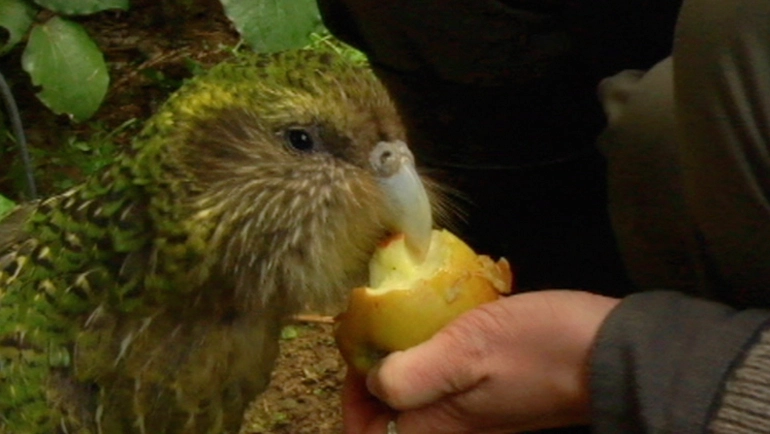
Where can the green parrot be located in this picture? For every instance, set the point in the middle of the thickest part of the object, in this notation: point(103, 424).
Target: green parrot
point(150, 298)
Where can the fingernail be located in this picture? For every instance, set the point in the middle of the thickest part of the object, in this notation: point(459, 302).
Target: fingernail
point(372, 381)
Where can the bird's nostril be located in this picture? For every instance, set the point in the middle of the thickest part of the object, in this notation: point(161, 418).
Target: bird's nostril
point(387, 157)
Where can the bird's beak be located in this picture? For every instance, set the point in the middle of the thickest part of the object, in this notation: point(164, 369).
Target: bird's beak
point(393, 163)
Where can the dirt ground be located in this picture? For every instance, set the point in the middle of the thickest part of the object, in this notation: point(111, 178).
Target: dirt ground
point(150, 50)
point(304, 396)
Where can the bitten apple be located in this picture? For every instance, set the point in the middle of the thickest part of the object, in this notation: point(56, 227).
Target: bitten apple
point(408, 300)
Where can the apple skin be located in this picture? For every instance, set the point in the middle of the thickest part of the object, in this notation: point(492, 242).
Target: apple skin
point(402, 312)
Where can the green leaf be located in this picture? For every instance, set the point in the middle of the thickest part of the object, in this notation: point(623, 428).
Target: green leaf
point(6, 205)
point(289, 332)
point(274, 25)
point(82, 7)
point(62, 58)
point(16, 16)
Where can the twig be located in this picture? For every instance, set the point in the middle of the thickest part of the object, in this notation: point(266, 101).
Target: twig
point(313, 318)
point(18, 132)
point(157, 60)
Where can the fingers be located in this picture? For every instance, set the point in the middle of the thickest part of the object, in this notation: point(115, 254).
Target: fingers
point(445, 365)
point(365, 414)
point(362, 412)
point(508, 366)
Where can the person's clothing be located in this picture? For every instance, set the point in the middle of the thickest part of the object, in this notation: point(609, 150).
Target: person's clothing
point(502, 95)
point(662, 363)
point(688, 150)
point(500, 103)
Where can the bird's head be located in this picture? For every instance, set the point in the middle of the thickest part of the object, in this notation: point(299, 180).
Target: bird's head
point(291, 170)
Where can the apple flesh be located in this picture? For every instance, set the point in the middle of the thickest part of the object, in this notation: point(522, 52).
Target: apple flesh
point(409, 300)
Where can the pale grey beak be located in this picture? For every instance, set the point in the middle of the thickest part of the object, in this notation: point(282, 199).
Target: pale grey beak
point(393, 163)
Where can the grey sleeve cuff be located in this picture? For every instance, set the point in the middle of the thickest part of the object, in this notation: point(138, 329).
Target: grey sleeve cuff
point(661, 361)
point(745, 404)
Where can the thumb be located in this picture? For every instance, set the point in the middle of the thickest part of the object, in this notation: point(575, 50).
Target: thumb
point(446, 364)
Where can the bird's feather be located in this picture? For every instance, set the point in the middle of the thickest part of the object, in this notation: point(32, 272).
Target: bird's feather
point(150, 298)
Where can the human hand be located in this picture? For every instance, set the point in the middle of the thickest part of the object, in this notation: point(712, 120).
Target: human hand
point(517, 364)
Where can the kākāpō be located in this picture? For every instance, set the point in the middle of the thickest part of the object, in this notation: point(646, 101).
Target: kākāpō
point(150, 298)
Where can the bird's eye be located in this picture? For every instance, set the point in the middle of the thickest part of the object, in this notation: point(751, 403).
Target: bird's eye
point(300, 139)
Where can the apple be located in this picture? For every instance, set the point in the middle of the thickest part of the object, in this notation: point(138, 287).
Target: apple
point(409, 299)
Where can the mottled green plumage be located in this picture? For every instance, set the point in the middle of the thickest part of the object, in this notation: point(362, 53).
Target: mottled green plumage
point(150, 298)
